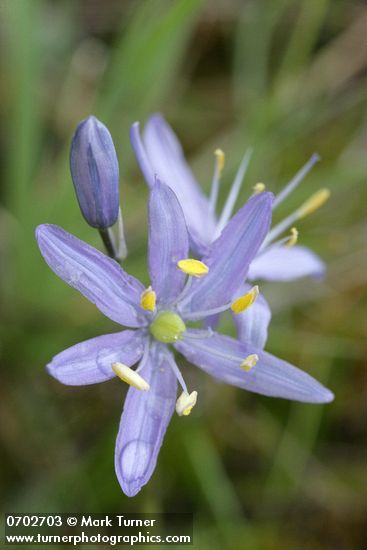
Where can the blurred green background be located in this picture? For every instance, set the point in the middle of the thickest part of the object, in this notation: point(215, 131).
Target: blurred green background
point(288, 77)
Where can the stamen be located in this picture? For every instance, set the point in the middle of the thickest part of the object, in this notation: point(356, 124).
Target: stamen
point(131, 377)
point(235, 358)
point(233, 194)
point(314, 203)
point(249, 362)
point(245, 301)
point(220, 158)
point(186, 402)
point(148, 299)
point(293, 237)
point(259, 188)
point(290, 240)
point(145, 357)
point(195, 268)
point(184, 292)
point(296, 180)
point(197, 315)
point(278, 243)
point(202, 334)
point(218, 168)
point(176, 370)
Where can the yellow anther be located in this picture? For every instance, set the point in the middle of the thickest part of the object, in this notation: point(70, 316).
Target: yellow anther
point(186, 402)
point(293, 237)
point(220, 159)
point(148, 299)
point(130, 376)
point(245, 301)
point(313, 203)
point(249, 362)
point(259, 188)
point(195, 268)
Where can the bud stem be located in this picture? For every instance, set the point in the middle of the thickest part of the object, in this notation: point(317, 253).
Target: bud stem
point(118, 252)
point(109, 242)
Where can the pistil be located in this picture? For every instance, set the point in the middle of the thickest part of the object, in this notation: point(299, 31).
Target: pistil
point(167, 327)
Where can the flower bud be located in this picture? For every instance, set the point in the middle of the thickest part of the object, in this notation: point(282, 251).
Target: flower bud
point(95, 173)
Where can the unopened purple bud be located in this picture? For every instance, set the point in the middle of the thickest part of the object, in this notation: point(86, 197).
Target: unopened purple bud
point(95, 173)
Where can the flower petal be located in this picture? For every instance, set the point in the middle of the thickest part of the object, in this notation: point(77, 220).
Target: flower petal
point(286, 263)
point(161, 154)
point(221, 357)
point(197, 245)
point(231, 255)
point(90, 362)
point(252, 324)
point(168, 243)
point(97, 277)
point(212, 321)
point(167, 158)
point(141, 155)
point(143, 424)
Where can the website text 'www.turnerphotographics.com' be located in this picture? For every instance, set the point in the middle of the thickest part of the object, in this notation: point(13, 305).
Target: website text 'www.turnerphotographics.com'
point(108, 529)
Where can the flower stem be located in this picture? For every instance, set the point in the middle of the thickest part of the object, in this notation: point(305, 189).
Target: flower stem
point(109, 242)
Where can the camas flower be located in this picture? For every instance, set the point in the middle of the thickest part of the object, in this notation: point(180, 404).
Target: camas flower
point(160, 154)
point(182, 290)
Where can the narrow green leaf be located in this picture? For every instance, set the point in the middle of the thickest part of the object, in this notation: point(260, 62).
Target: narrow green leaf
point(147, 55)
point(23, 25)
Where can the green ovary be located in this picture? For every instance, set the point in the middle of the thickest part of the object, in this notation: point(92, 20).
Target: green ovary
point(167, 327)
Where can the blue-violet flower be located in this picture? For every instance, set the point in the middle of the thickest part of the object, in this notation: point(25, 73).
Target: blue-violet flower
point(159, 154)
point(182, 290)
